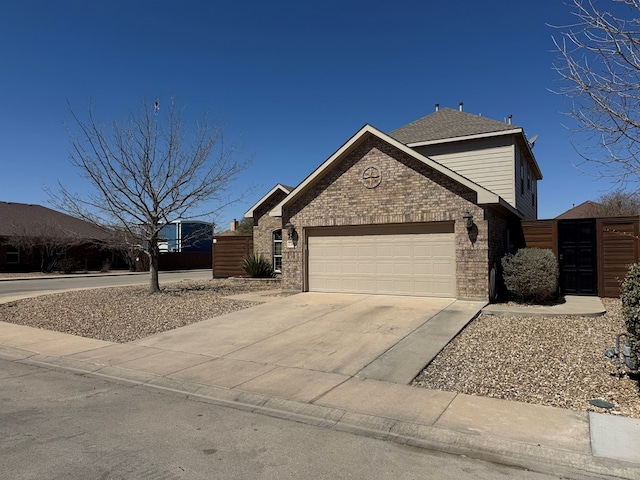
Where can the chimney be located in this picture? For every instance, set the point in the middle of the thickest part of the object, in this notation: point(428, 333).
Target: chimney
point(460, 106)
point(437, 107)
point(234, 225)
point(509, 117)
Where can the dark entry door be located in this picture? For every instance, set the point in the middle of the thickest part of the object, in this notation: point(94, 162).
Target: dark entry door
point(578, 256)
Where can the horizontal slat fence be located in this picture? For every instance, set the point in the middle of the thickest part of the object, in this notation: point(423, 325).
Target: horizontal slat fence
point(228, 252)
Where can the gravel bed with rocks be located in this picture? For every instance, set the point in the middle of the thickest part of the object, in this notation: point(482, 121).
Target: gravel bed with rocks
point(555, 361)
point(124, 314)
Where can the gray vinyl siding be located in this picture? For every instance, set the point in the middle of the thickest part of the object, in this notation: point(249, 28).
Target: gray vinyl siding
point(487, 162)
point(524, 196)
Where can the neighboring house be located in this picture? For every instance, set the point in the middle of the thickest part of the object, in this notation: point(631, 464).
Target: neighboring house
point(267, 230)
point(186, 236)
point(428, 209)
point(584, 210)
point(33, 237)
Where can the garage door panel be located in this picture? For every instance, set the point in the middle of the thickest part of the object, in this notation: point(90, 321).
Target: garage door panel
point(403, 269)
point(350, 268)
point(399, 264)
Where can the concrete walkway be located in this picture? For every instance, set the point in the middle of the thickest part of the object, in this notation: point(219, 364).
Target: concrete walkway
point(584, 306)
point(331, 380)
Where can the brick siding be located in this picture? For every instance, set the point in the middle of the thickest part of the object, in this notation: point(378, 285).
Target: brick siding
point(264, 225)
point(409, 191)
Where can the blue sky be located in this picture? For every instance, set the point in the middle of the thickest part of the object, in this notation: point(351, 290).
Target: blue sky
point(292, 80)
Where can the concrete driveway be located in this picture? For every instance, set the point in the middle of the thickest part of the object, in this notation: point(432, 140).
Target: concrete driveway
point(310, 337)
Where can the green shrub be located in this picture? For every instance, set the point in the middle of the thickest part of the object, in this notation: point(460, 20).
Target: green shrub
point(256, 266)
point(531, 275)
point(630, 298)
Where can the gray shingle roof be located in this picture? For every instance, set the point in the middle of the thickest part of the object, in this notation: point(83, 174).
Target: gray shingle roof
point(447, 123)
point(20, 218)
point(584, 210)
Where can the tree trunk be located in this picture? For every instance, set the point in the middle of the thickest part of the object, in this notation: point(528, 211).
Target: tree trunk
point(154, 261)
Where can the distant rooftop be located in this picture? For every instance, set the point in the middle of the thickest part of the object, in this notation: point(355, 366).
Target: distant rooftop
point(584, 210)
point(23, 218)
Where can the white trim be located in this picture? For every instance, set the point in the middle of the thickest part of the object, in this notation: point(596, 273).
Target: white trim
point(467, 137)
point(273, 245)
point(484, 196)
point(249, 213)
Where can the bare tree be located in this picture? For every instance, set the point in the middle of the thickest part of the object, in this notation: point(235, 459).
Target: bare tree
point(600, 64)
point(47, 241)
point(127, 243)
point(148, 171)
point(615, 204)
point(245, 226)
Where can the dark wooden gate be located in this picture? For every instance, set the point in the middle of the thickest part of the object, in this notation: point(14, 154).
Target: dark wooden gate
point(618, 246)
point(578, 256)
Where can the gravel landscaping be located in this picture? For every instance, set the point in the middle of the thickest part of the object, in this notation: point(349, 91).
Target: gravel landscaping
point(549, 361)
point(124, 314)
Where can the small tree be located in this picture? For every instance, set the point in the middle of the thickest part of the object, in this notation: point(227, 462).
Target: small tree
point(245, 226)
point(147, 171)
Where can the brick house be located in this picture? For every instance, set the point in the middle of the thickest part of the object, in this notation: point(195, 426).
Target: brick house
point(32, 237)
point(428, 210)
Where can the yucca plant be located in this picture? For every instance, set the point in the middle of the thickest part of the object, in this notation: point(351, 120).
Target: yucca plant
point(256, 266)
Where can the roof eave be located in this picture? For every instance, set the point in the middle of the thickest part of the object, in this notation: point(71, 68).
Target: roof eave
point(465, 137)
point(536, 168)
point(279, 186)
point(484, 196)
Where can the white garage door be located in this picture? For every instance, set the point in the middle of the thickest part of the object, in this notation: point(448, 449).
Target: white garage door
point(383, 262)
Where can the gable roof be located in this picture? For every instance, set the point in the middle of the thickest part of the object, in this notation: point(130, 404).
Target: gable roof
point(20, 218)
point(279, 187)
point(447, 123)
point(484, 196)
point(584, 210)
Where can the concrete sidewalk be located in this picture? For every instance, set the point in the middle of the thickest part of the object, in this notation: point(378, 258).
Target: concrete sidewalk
point(584, 306)
point(551, 440)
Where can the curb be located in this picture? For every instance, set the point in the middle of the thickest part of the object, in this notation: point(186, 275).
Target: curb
point(86, 275)
point(79, 275)
point(493, 449)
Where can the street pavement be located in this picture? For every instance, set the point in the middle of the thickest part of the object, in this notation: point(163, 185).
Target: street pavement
point(15, 288)
point(251, 360)
point(56, 425)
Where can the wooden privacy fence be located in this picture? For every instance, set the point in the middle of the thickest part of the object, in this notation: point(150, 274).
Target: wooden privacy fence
point(617, 246)
point(184, 260)
point(228, 252)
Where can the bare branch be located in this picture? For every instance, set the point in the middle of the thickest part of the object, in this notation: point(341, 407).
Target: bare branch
point(599, 64)
point(147, 171)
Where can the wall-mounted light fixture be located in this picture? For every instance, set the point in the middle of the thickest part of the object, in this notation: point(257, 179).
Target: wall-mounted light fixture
point(468, 218)
point(290, 230)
